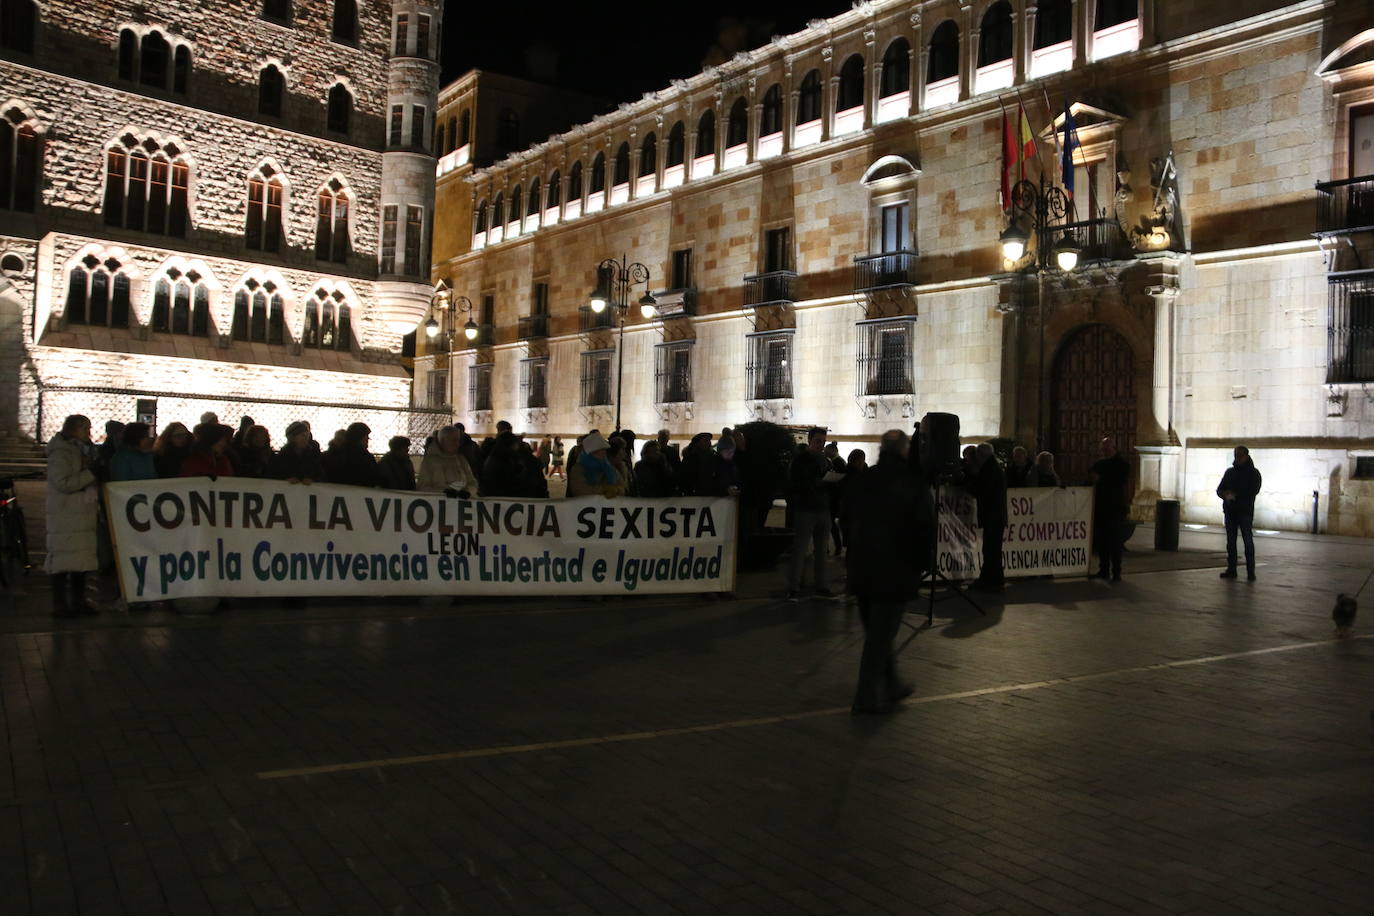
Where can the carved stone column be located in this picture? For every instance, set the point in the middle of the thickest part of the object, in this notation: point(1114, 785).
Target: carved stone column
point(828, 87)
point(635, 153)
point(916, 64)
point(1082, 32)
point(1159, 448)
point(660, 152)
point(790, 98)
point(1018, 48)
point(751, 130)
point(968, 52)
point(873, 76)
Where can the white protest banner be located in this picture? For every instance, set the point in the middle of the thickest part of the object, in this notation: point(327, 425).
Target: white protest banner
point(194, 537)
point(1048, 532)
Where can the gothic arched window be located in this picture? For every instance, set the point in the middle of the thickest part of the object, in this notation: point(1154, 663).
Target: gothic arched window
point(331, 224)
point(20, 176)
point(271, 88)
point(896, 68)
point(340, 109)
point(146, 188)
point(328, 321)
point(737, 127)
point(259, 313)
point(851, 94)
point(98, 294)
point(18, 19)
point(181, 304)
point(263, 228)
point(345, 25)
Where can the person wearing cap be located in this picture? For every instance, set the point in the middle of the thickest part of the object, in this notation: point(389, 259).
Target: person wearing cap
point(298, 461)
point(593, 474)
point(352, 463)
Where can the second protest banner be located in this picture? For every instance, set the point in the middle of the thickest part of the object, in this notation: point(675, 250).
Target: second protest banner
point(196, 537)
point(1048, 532)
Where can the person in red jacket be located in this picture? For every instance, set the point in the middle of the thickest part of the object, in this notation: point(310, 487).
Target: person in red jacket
point(208, 456)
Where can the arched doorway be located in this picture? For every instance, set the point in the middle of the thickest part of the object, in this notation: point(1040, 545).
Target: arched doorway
point(1093, 395)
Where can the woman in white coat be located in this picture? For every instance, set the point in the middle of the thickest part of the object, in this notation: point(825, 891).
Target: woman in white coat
point(73, 494)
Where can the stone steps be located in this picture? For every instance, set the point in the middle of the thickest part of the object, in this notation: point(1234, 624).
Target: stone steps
point(20, 456)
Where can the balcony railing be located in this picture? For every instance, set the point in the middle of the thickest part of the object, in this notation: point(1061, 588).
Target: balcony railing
point(777, 287)
point(883, 271)
point(677, 303)
point(1350, 327)
point(1099, 239)
point(1345, 206)
point(534, 327)
point(589, 320)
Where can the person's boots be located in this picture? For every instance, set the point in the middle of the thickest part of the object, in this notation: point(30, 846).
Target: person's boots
point(61, 597)
point(80, 604)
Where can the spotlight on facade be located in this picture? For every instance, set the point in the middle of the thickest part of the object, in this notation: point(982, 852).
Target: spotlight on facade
point(1014, 243)
point(648, 306)
point(470, 330)
point(431, 329)
point(1065, 253)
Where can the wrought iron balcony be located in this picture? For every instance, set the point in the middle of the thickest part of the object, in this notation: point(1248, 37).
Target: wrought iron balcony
point(1345, 206)
point(676, 303)
point(1350, 327)
point(534, 327)
point(1099, 239)
point(776, 287)
point(589, 320)
point(884, 271)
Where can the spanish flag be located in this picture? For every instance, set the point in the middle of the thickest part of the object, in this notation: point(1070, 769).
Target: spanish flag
point(1027, 139)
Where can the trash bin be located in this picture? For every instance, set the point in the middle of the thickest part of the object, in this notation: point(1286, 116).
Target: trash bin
point(1167, 514)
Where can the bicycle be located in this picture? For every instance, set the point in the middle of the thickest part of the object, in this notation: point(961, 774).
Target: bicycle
point(14, 537)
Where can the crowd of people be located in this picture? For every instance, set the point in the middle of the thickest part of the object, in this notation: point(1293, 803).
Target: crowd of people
point(881, 518)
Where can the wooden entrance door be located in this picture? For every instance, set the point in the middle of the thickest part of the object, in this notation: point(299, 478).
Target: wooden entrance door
point(1093, 396)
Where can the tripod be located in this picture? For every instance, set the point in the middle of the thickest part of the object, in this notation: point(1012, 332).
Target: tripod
point(936, 579)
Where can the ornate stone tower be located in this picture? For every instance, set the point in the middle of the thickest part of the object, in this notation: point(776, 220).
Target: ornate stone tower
point(407, 198)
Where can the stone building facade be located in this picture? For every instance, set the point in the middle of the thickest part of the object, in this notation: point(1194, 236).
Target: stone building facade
point(229, 201)
point(820, 220)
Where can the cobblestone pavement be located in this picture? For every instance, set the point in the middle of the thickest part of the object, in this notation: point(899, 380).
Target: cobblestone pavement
point(1173, 743)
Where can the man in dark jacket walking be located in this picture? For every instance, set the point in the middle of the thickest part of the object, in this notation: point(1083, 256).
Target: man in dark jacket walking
point(892, 530)
point(1238, 488)
point(990, 488)
point(809, 499)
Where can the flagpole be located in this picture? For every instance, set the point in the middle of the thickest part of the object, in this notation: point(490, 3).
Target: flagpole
point(1039, 156)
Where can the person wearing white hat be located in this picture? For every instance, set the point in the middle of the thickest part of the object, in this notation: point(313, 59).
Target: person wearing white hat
point(593, 474)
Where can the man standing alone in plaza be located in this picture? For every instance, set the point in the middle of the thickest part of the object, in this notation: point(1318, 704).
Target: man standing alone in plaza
point(809, 498)
point(1238, 488)
point(989, 486)
point(1110, 476)
point(889, 543)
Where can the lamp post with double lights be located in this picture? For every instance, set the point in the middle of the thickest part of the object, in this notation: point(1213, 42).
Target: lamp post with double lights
point(613, 281)
point(1044, 209)
point(442, 302)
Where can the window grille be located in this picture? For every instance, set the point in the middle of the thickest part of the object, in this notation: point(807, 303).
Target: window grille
point(436, 388)
point(596, 378)
point(673, 372)
point(1350, 327)
point(479, 386)
point(769, 374)
point(885, 357)
point(534, 375)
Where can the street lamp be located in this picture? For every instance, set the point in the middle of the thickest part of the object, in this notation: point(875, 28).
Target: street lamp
point(1044, 210)
point(441, 303)
point(613, 281)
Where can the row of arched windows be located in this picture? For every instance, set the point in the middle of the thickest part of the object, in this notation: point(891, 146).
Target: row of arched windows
point(99, 294)
point(996, 39)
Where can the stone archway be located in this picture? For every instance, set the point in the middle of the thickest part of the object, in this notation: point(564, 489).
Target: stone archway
point(1092, 395)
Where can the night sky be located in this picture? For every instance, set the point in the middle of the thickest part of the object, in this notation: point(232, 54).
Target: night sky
point(625, 49)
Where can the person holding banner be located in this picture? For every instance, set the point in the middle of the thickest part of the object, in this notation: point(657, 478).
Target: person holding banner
point(445, 468)
point(73, 493)
point(593, 474)
point(891, 540)
point(298, 461)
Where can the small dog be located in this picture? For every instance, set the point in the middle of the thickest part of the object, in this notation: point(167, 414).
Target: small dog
point(1344, 615)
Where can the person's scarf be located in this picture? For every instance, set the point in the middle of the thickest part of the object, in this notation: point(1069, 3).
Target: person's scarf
point(596, 471)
